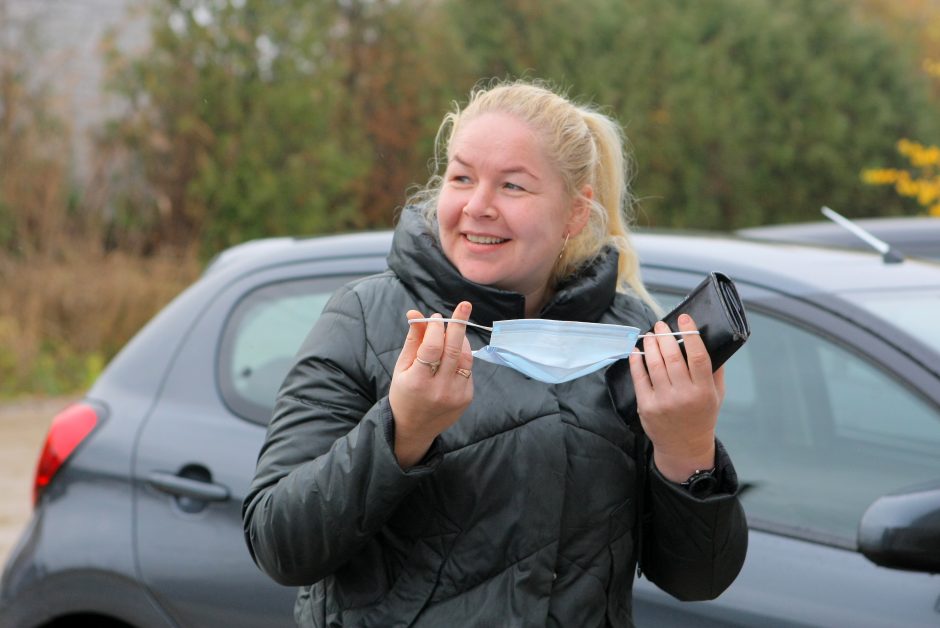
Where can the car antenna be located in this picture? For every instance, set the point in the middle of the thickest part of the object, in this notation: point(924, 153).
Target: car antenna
point(888, 255)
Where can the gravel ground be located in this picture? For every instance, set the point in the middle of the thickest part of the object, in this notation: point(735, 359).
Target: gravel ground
point(23, 426)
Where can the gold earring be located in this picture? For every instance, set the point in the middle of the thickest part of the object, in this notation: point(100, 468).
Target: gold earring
point(562, 252)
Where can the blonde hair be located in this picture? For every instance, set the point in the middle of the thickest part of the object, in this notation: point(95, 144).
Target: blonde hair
point(587, 147)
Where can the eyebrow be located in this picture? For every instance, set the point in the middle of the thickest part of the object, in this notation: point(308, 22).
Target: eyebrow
point(510, 170)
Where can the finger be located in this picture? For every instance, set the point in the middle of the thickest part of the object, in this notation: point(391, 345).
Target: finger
point(719, 378)
point(465, 360)
point(412, 341)
point(700, 363)
point(641, 379)
point(433, 342)
point(655, 365)
point(454, 338)
point(672, 355)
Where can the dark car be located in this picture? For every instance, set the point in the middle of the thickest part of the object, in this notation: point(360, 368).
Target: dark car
point(916, 236)
point(832, 417)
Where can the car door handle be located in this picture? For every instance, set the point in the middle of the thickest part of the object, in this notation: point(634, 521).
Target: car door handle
point(187, 487)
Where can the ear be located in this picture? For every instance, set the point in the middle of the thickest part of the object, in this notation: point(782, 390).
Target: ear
point(580, 211)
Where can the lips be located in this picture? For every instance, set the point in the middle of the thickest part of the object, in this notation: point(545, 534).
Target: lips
point(483, 239)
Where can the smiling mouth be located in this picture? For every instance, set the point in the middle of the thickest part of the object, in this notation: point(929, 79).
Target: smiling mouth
point(480, 239)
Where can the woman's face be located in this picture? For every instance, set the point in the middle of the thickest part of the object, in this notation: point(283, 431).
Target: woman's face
point(503, 209)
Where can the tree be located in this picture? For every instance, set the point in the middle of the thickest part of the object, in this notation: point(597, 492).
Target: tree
point(252, 118)
point(35, 191)
point(230, 122)
point(258, 118)
point(923, 184)
point(403, 65)
point(917, 20)
point(739, 111)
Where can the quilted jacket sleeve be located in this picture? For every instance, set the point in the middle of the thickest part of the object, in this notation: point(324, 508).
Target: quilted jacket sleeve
point(694, 548)
point(327, 478)
point(691, 548)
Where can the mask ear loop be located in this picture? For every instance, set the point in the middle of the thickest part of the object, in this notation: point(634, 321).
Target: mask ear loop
point(448, 320)
point(461, 322)
point(671, 333)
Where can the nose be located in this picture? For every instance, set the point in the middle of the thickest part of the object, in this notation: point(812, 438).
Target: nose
point(480, 203)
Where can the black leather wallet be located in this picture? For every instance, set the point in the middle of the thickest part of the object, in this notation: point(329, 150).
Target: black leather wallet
point(718, 313)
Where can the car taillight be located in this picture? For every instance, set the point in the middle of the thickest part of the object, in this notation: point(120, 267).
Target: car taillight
point(68, 429)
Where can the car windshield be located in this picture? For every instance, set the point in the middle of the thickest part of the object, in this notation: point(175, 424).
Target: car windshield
point(915, 311)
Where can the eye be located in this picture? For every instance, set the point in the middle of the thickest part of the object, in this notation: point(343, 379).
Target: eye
point(513, 187)
point(460, 178)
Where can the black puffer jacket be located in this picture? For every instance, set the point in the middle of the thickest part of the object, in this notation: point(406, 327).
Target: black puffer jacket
point(522, 513)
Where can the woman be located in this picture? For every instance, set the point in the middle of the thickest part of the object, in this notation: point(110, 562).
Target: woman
point(403, 483)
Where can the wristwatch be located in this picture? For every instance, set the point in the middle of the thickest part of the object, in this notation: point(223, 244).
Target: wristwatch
point(702, 483)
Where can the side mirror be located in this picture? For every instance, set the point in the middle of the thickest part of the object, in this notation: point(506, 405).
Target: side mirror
point(903, 531)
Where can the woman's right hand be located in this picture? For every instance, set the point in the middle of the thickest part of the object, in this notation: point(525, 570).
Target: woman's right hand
point(431, 386)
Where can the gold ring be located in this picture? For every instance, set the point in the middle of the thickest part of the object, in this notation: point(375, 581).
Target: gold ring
point(465, 372)
point(432, 365)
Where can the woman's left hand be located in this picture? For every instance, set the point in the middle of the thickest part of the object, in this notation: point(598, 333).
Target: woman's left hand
point(678, 400)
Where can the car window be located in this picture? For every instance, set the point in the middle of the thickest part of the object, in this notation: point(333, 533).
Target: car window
point(914, 311)
point(262, 336)
point(817, 432)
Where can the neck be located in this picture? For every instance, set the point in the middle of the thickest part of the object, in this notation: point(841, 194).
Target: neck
point(535, 301)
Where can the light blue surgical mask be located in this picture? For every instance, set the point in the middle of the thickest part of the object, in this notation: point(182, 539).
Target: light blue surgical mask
point(554, 351)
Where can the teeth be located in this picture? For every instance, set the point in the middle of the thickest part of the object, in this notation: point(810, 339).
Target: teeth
point(478, 239)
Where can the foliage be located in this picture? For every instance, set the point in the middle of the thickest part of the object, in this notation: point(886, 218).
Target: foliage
point(911, 24)
point(61, 322)
point(288, 117)
point(740, 111)
point(920, 178)
point(252, 118)
point(255, 118)
point(66, 306)
point(34, 182)
point(923, 185)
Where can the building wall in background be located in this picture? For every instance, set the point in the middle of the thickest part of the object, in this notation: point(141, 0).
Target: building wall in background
point(62, 39)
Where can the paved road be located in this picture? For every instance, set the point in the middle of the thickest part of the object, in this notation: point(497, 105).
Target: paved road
point(23, 426)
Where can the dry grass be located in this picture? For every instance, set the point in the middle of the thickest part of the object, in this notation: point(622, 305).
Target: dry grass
point(62, 318)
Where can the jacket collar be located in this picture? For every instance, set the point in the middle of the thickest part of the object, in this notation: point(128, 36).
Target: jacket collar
point(416, 257)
